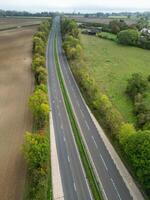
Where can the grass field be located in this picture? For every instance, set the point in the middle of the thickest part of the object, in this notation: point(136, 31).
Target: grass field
point(111, 65)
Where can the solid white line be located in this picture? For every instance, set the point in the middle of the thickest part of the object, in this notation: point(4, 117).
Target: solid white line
point(115, 188)
point(87, 125)
point(75, 186)
point(94, 142)
point(104, 162)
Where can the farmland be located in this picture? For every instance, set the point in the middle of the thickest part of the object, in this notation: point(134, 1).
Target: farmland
point(16, 22)
point(16, 85)
point(111, 65)
point(100, 20)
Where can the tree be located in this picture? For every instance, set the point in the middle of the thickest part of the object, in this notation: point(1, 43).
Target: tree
point(38, 61)
point(137, 149)
point(38, 104)
point(41, 75)
point(126, 131)
point(136, 84)
point(35, 150)
point(128, 37)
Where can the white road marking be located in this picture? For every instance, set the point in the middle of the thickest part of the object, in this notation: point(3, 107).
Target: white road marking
point(87, 125)
point(94, 142)
point(75, 186)
point(115, 188)
point(78, 104)
point(68, 159)
point(64, 139)
point(104, 162)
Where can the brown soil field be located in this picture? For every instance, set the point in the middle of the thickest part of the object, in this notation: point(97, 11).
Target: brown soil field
point(100, 20)
point(16, 85)
point(7, 22)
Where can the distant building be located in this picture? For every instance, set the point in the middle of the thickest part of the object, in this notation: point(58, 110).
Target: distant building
point(145, 31)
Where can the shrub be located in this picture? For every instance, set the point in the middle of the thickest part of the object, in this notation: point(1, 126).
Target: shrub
point(108, 36)
point(128, 37)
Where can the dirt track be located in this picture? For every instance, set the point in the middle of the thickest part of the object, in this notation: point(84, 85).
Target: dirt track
point(16, 85)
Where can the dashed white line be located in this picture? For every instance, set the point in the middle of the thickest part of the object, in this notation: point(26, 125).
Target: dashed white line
point(115, 188)
point(104, 162)
point(64, 139)
point(87, 125)
point(68, 159)
point(94, 142)
point(75, 186)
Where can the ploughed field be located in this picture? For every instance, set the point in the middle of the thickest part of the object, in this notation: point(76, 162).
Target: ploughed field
point(14, 22)
point(112, 65)
point(16, 85)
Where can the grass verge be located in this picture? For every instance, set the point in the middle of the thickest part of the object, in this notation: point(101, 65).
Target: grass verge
point(93, 183)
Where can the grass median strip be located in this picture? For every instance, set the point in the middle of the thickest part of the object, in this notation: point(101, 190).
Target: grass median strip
point(93, 183)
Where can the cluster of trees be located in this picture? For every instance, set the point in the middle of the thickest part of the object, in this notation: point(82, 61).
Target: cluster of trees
point(36, 152)
point(5, 13)
point(36, 145)
point(136, 90)
point(134, 144)
point(71, 42)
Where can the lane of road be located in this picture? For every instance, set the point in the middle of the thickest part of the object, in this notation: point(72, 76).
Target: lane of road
point(74, 182)
point(113, 184)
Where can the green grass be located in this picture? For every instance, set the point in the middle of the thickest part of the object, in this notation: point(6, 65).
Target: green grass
point(108, 36)
point(78, 138)
point(111, 65)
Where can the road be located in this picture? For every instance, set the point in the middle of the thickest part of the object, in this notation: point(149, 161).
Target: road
point(74, 181)
point(106, 171)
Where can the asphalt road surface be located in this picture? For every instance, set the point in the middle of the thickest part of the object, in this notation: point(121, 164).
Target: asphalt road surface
point(74, 181)
point(112, 182)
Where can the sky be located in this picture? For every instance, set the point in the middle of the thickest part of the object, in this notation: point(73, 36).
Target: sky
point(76, 5)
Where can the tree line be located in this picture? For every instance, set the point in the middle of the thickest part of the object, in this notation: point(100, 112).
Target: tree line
point(133, 141)
point(36, 144)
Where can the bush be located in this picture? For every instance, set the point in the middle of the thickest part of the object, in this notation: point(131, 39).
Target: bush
point(128, 37)
point(136, 84)
point(39, 106)
point(108, 36)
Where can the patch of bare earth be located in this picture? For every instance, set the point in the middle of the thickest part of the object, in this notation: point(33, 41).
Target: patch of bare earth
point(16, 85)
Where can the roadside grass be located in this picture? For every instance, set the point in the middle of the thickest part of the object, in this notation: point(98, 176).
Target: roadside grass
point(94, 185)
point(111, 65)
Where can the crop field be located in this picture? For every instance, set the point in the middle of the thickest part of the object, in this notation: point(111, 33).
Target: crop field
point(16, 85)
point(16, 22)
point(111, 65)
point(100, 20)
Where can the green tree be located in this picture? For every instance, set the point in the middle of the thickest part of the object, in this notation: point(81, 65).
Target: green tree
point(38, 104)
point(128, 37)
point(41, 75)
point(136, 85)
point(137, 149)
point(35, 150)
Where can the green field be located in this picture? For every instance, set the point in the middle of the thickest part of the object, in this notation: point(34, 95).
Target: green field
point(111, 65)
